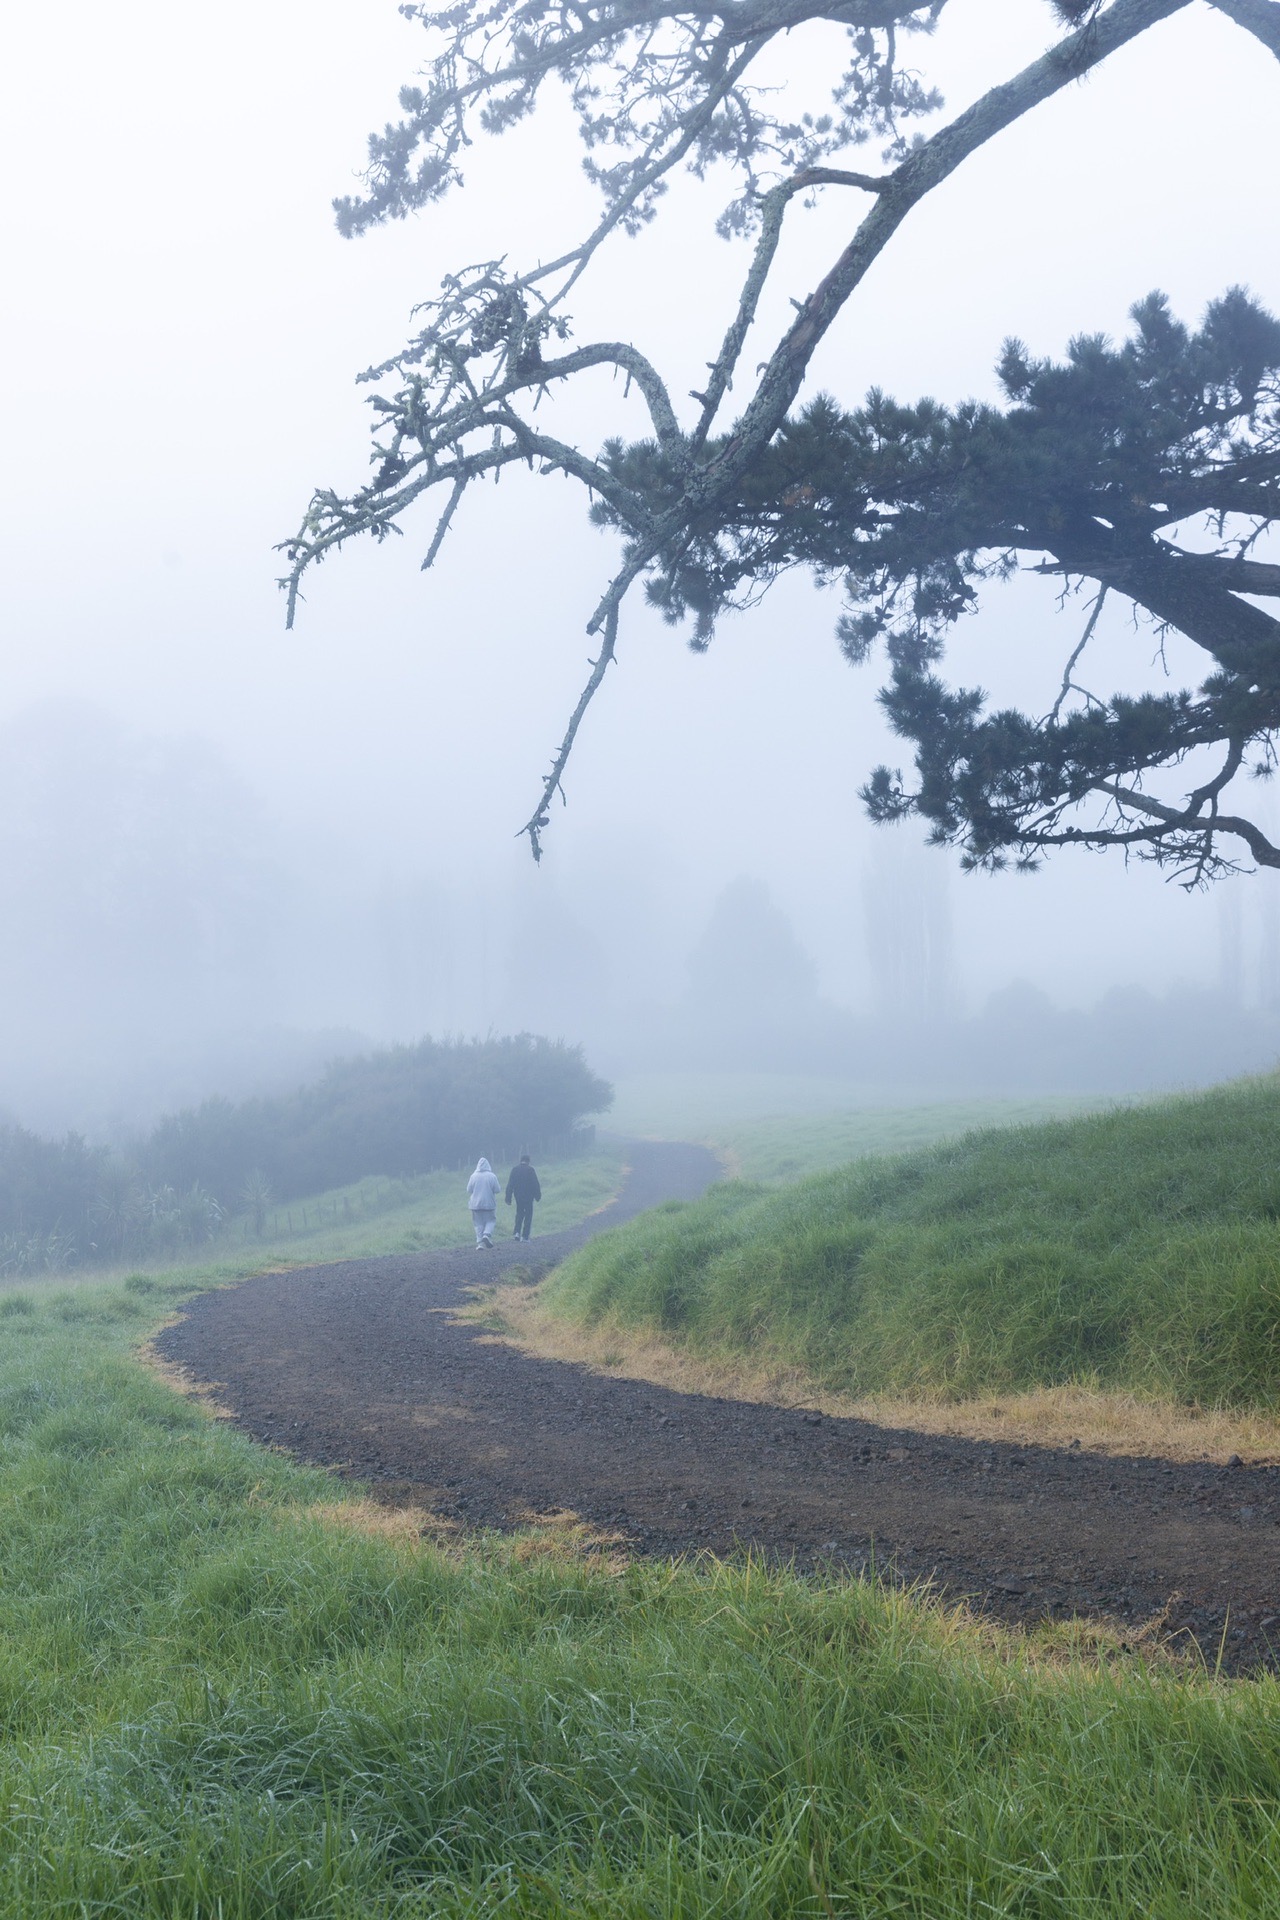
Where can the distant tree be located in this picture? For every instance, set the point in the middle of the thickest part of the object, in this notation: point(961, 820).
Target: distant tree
point(656, 88)
point(118, 1208)
point(48, 1187)
point(752, 999)
point(906, 922)
point(256, 1197)
point(748, 963)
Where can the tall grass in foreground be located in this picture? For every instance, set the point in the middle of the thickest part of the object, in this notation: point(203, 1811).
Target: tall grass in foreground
point(215, 1702)
point(1137, 1249)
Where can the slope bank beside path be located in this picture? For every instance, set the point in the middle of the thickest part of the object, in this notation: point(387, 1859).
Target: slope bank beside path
point(362, 1367)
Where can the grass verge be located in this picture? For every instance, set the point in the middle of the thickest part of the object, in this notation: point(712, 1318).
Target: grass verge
point(1133, 1253)
point(1104, 1422)
point(227, 1688)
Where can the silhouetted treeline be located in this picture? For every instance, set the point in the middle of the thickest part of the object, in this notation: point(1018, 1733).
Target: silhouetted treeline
point(402, 1111)
point(63, 1202)
point(47, 1193)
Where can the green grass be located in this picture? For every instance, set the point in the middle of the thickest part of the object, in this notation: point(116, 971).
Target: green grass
point(378, 1216)
point(787, 1148)
point(688, 1106)
point(1137, 1249)
point(399, 1216)
point(214, 1704)
point(779, 1126)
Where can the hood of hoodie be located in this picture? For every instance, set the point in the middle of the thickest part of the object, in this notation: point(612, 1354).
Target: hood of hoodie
point(482, 1166)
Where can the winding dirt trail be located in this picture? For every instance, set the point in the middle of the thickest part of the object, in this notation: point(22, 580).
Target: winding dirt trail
point(360, 1367)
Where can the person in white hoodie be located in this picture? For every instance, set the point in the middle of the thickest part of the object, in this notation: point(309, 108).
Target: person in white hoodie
point(482, 1198)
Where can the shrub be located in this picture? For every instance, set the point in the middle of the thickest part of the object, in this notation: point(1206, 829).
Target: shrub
point(404, 1110)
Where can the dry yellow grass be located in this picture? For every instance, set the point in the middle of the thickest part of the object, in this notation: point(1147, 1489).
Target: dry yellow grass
point(181, 1379)
point(408, 1525)
point(562, 1534)
point(1112, 1423)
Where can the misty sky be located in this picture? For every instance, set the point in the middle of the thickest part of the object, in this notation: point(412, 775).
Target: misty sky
point(181, 326)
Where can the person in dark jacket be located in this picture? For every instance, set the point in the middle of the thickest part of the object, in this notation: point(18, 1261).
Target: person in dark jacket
point(523, 1188)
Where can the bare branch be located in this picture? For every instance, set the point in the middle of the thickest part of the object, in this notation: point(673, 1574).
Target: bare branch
point(772, 211)
point(1188, 819)
point(540, 817)
point(1085, 637)
point(665, 160)
point(442, 525)
point(839, 177)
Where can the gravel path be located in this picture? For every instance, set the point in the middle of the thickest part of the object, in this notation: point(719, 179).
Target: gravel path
point(359, 1367)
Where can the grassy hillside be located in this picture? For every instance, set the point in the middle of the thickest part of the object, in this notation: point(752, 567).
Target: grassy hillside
point(778, 1126)
point(229, 1687)
point(787, 1148)
point(1134, 1249)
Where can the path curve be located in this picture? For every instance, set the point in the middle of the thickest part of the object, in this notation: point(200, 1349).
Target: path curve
point(359, 1367)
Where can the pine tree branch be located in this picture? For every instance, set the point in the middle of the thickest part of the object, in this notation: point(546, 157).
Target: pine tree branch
point(1260, 577)
point(1225, 570)
point(540, 816)
point(665, 160)
point(773, 210)
point(1190, 820)
point(1258, 17)
point(672, 503)
point(1243, 638)
point(925, 168)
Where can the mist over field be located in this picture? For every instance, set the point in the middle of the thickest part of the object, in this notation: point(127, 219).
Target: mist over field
point(229, 854)
point(171, 935)
point(640, 1119)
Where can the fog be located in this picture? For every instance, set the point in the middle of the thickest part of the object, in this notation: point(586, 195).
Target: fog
point(228, 852)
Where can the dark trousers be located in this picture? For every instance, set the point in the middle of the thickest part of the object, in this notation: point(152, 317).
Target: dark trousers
point(524, 1219)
